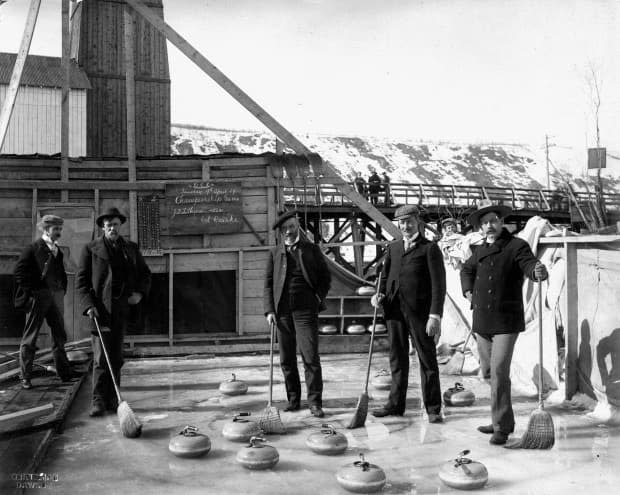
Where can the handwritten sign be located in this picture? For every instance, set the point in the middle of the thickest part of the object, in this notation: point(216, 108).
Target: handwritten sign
point(204, 208)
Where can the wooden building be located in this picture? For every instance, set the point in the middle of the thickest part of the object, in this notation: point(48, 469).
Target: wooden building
point(36, 120)
point(98, 42)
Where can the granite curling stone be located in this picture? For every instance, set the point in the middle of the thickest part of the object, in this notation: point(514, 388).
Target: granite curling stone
point(257, 455)
point(233, 386)
point(463, 473)
point(241, 429)
point(189, 443)
point(361, 477)
point(458, 396)
point(327, 441)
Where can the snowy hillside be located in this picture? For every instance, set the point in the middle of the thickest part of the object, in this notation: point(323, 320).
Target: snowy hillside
point(408, 161)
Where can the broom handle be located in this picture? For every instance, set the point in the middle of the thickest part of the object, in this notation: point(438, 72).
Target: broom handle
point(372, 333)
point(107, 358)
point(540, 345)
point(271, 333)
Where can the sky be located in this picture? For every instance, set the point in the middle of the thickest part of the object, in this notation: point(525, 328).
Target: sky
point(506, 71)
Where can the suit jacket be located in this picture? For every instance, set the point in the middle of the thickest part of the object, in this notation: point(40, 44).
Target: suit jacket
point(313, 267)
point(30, 272)
point(495, 274)
point(423, 293)
point(94, 277)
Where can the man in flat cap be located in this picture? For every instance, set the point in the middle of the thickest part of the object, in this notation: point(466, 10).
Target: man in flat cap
point(296, 284)
point(412, 290)
point(492, 280)
point(41, 283)
point(112, 276)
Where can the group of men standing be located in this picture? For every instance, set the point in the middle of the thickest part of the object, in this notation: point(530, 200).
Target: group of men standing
point(374, 188)
point(112, 277)
point(412, 289)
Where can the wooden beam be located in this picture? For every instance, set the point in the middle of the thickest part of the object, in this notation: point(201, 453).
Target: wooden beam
point(130, 99)
point(255, 109)
point(18, 68)
point(572, 320)
point(240, 292)
point(170, 299)
point(12, 419)
point(65, 110)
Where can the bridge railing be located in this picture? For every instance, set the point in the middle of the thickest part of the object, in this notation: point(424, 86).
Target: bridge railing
point(317, 192)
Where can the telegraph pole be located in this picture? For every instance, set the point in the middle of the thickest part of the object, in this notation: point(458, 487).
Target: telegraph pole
point(547, 159)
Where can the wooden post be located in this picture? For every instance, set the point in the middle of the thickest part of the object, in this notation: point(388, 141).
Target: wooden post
point(572, 319)
point(65, 110)
point(255, 109)
point(240, 292)
point(171, 299)
point(358, 253)
point(18, 68)
point(34, 214)
point(206, 175)
point(130, 98)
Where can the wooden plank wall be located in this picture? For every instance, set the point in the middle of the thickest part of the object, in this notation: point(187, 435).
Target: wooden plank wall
point(101, 56)
point(35, 123)
point(24, 187)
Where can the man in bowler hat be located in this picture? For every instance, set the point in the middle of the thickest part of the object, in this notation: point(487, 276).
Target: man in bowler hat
point(492, 280)
point(296, 284)
point(412, 290)
point(41, 284)
point(112, 276)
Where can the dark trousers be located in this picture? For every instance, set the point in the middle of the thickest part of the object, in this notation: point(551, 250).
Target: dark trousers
point(495, 358)
point(401, 324)
point(300, 327)
point(103, 388)
point(49, 306)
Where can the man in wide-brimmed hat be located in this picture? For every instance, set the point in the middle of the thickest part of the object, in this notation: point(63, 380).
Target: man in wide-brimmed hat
point(41, 283)
point(492, 280)
point(112, 277)
point(297, 281)
point(412, 290)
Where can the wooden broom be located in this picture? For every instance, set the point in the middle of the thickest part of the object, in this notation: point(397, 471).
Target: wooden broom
point(269, 418)
point(130, 426)
point(540, 432)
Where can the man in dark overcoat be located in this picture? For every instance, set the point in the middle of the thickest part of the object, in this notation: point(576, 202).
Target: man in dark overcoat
point(112, 276)
point(492, 280)
point(41, 284)
point(297, 281)
point(412, 289)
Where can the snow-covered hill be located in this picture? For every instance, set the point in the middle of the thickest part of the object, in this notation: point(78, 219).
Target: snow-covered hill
point(411, 161)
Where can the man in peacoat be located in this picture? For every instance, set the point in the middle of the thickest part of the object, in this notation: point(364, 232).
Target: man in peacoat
point(492, 280)
point(297, 281)
point(112, 276)
point(412, 289)
point(41, 284)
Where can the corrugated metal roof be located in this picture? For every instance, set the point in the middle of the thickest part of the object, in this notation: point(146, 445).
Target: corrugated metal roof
point(42, 71)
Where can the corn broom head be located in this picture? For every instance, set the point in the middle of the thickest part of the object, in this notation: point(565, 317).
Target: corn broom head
point(539, 434)
point(130, 426)
point(361, 411)
point(269, 420)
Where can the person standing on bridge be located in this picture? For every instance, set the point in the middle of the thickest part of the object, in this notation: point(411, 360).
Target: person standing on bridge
point(374, 187)
point(297, 281)
point(412, 290)
point(360, 184)
point(387, 192)
point(492, 281)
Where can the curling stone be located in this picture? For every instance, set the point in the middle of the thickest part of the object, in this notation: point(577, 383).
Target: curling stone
point(241, 429)
point(189, 443)
point(327, 441)
point(233, 387)
point(382, 380)
point(379, 328)
point(355, 329)
point(463, 473)
point(361, 477)
point(458, 396)
point(258, 455)
point(77, 356)
point(366, 290)
point(328, 329)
